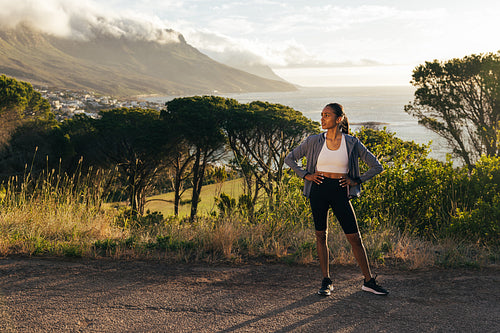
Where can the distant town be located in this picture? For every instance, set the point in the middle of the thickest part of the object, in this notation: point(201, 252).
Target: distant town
point(66, 103)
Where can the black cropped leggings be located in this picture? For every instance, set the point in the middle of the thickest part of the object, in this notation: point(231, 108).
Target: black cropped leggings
point(331, 194)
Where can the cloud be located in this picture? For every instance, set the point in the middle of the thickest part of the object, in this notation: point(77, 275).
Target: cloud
point(48, 16)
point(82, 20)
point(254, 37)
point(305, 34)
point(280, 34)
point(286, 53)
point(223, 49)
point(243, 51)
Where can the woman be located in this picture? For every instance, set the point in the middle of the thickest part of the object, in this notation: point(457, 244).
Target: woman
point(331, 178)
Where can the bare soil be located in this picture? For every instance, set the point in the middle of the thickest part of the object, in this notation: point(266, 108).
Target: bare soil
point(54, 295)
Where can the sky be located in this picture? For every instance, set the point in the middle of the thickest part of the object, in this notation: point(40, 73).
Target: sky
point(309, 43)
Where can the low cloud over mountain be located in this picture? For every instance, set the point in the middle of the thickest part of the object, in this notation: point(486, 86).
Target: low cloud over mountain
point(70, 45)
point(82, 20)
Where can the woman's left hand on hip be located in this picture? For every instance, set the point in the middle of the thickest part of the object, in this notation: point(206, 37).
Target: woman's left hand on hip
point(346, 181)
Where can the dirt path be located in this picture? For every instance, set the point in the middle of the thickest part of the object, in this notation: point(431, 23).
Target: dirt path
point(50, 295)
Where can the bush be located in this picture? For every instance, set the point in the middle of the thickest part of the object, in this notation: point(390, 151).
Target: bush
point(429, 198)
point(479, 218)
point(226, 204)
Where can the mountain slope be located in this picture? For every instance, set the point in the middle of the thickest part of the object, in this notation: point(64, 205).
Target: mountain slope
point(121, 66)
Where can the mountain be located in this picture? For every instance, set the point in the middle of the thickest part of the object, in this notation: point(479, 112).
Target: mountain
point(259, 70)
point(122, 66)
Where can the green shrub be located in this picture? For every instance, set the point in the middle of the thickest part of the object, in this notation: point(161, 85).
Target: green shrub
point(225, 204)
point(106, 246)
point(479, 217)
point(171, 244)
point(429, 198)
point(72, 250)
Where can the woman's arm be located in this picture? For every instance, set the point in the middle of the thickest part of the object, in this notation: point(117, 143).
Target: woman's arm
point(295, 155)
point(374, 165)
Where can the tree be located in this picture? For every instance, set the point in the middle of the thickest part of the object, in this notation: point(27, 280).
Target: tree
point(181, 170)
point(199, 121)
point(21, 97)
point(18, 102)
point(459, 100)
point(135, 141)
point(261, 135)
point(34, 145)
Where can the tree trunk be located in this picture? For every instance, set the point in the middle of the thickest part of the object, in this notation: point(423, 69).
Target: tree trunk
point(132, 195)
point(141, 201)
point(196, 184)
point(177, 191)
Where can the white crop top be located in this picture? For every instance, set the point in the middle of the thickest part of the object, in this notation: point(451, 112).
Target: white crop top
point(335, 161)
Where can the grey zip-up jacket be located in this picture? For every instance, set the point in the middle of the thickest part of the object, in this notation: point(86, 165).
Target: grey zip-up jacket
point(311, 147)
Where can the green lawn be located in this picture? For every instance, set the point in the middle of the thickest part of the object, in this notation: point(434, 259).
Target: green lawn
point(164, 203)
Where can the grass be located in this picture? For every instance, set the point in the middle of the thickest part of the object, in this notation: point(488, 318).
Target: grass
point(63, 216)
point(164, 203)
point(54, 215)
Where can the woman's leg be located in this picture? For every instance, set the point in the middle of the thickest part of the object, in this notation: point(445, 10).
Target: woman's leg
point(347, 218)
point(322, 247)
point(319, 208)
point(358, 249)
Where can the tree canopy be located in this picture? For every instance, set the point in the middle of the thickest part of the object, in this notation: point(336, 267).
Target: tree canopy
point(260, 135)
point(459, 99)
point(199, 121)
point(20, 96)
point(135, 141)
point(19, 102)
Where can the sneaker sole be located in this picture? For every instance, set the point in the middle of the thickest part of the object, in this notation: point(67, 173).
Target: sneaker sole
point(373, 291)
point(324, 293)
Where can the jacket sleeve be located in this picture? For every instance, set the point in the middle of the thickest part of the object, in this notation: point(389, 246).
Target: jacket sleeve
point(374, 165)
point(295, 155)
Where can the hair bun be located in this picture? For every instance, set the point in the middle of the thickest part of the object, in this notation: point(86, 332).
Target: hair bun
point(339, 112)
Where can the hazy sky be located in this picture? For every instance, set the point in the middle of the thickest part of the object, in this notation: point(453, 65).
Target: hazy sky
point(311, 43)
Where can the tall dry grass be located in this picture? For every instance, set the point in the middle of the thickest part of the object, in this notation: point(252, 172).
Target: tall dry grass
point(54, 214)
point(67, 216)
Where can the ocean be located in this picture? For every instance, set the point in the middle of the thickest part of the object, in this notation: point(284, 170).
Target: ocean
point(378, 106)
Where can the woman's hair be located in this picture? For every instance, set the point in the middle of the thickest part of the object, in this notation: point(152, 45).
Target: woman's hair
point(339, 112)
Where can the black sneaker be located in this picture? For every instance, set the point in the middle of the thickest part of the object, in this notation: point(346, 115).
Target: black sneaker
point(326, 287)
point(372, 287)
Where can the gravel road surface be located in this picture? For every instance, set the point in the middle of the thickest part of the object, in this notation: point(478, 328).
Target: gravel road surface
point(55, 295)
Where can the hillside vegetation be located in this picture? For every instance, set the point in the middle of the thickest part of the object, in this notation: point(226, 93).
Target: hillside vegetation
point(96, 187)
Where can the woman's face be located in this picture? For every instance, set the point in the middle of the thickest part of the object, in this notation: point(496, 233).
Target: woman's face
point(328, 118)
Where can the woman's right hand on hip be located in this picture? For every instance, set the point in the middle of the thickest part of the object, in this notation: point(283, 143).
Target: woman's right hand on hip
point(315, 177)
